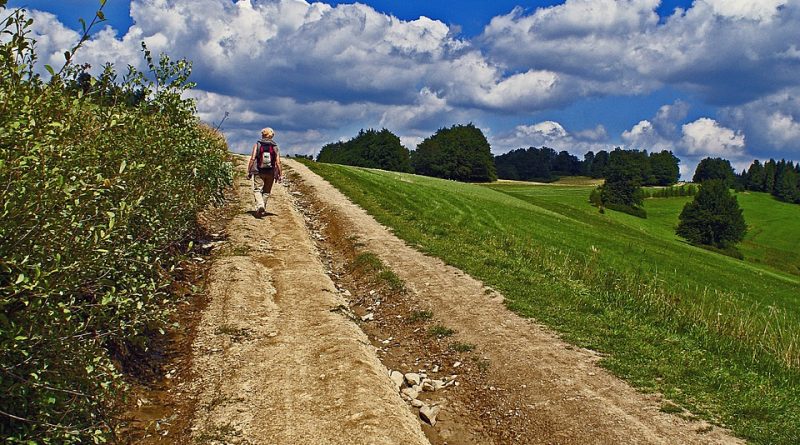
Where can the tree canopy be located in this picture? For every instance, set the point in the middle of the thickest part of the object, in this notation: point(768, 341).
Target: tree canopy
point(370, 148)
point(713, 218)
point(622, 190)
point(714, 168)
point(460, 152)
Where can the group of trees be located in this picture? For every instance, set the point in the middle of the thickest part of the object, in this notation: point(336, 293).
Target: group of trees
point(625, 174)
point(537, 164)
point(371, 148)
point(544, 164)
point(460, 152)
point(781, 179)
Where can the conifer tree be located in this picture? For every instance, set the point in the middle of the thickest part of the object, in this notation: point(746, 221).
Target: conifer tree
point(714, 218)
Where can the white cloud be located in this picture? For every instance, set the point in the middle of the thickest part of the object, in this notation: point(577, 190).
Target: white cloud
point(553, 135)
point(746, 9)
point(772, 123)
point(719, 48)
point(707, 137)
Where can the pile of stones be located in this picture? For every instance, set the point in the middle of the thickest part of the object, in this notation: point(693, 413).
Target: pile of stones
point(410, 385)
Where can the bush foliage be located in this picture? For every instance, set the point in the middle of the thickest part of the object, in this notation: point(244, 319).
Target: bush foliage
point(99, 193)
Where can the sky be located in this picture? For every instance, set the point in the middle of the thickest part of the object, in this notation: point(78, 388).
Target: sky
point(701, 78)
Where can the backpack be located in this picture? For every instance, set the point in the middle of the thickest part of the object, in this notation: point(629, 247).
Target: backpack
point(265, 163)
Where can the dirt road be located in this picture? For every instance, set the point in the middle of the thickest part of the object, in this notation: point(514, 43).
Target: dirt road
point(537, 388)
point(280, 359)
point(277, 363)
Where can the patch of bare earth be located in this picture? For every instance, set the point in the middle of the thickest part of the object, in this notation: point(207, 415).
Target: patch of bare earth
point(517, 381)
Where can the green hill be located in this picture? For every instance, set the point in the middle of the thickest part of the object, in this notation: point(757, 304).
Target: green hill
point(717, 335)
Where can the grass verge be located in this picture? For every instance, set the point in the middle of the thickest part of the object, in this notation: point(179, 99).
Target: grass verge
point(716, 335)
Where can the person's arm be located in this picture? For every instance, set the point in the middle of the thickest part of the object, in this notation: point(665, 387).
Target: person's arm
point(250, 162)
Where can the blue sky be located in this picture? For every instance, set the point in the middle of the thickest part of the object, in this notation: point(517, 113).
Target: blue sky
point(710, 78)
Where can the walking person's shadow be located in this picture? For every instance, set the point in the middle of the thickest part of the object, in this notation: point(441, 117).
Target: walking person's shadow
point(255, 214)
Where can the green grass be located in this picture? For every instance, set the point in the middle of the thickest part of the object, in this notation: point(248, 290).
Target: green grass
point(716, 335)
point(440, 331)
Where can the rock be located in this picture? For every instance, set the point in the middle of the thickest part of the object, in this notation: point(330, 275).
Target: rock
point(347, 293)
point(429, 413)
point(397, 378)
point(456, 364)
point(427, 385)
point(417, 403)
point(412, 378)
point(368, 317)
point(411, 393)
point(437, 384)
point(435, 369)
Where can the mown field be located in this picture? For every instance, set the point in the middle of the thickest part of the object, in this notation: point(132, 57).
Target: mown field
point(716, 335)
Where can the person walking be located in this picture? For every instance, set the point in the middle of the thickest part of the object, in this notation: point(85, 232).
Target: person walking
point(264, 166)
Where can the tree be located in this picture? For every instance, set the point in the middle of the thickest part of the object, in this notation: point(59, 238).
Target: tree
point(622, 190)
point(566, 164)
point(599, 164)
point(713, 218)
point(714, 168)
point(755, 177)
point(586, 166)
point(664, 168)
point(460, 152)
point(770, 170)
point(371, 148)
point(786, 188)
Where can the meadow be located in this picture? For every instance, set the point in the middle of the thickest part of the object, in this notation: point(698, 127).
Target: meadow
point(716, 335)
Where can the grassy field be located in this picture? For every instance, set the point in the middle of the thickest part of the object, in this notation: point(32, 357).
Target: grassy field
point(716, 335)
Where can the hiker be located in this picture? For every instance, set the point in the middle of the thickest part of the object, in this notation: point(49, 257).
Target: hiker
point(265, 164)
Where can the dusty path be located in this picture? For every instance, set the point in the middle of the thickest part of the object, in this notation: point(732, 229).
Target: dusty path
point(553, 393)
point(277, 363)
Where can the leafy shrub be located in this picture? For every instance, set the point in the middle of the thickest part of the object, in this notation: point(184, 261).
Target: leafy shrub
point(99, 195)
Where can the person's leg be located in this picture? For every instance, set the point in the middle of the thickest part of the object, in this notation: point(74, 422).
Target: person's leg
point(268, 179)
point(260, 204)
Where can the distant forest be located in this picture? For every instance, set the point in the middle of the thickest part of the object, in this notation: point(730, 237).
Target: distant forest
point(545, 165)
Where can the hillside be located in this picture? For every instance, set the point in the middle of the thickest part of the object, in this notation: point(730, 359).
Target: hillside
point(673, 318)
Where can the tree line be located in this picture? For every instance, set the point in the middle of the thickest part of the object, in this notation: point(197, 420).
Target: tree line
point(780, 179)
point(545, 165)
point(460, 152)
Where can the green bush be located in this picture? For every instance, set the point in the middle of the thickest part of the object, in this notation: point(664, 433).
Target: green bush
point(99, 194)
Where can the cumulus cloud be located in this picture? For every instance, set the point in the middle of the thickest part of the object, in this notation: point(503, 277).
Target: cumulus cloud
point(707, 137)
point(772, 123)
point(300, 66)
point(660, 132)
point(553, 135)
point(718, 48)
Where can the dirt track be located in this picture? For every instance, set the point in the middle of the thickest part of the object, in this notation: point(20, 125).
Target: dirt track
point(276, 365)
point(280, 364)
